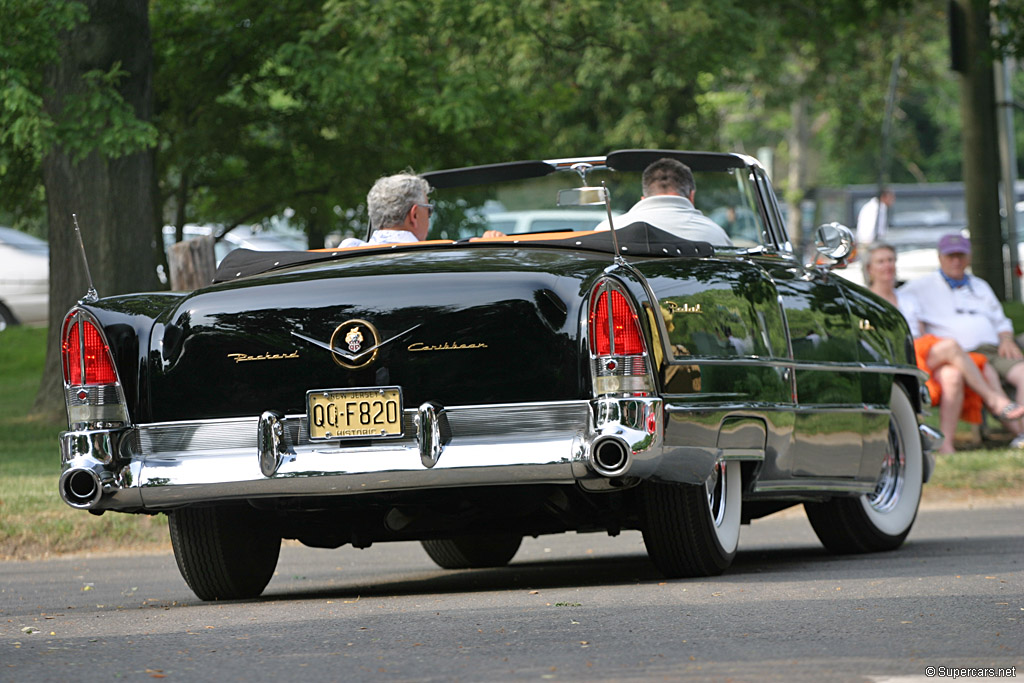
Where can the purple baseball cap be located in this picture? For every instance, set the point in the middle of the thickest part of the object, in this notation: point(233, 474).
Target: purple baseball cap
point(954, 243)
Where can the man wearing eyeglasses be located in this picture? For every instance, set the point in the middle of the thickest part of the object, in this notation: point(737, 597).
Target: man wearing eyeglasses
point(953, 303)
point(399, 210)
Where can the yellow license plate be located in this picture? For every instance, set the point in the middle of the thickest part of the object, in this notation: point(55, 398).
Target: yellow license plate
point(354, 413)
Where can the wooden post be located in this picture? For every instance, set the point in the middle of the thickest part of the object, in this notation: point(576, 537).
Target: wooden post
point(192, 263)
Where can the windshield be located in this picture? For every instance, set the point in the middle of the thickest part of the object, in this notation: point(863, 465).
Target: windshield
point(531, 206)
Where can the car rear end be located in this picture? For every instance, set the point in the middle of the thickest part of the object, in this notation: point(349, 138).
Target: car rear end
point(530, 366)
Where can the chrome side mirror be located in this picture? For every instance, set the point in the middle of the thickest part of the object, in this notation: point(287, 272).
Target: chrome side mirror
point(582, 196)
point(834, 241)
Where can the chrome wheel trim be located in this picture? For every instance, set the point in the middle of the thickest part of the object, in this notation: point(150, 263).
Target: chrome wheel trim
point(715, 487)
point(891, 479)
point(892, 507)
point(723, 491)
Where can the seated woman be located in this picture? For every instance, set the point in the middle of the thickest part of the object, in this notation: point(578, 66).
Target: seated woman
point(959, 383)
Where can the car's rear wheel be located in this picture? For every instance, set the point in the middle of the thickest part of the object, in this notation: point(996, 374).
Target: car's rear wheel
point(694, 530)
point(224, 553)
point(882, 519)
point(472, 552)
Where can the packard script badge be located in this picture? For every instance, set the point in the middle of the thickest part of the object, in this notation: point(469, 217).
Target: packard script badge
point(354, 339)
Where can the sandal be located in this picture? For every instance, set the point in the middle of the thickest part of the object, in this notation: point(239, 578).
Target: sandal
point(1012, 411)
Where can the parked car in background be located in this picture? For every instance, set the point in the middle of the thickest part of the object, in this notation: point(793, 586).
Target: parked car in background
point(253, 237)
point(921, 213)
point(913, 263)
point(465, 394)
point(519, 222)
point(24, 279)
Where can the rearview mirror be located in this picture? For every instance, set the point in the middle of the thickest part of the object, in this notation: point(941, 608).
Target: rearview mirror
point(835, 241)
point(582, 196)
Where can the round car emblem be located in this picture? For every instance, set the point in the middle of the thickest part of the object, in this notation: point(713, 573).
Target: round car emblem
point(354, 339)
point(355, 335)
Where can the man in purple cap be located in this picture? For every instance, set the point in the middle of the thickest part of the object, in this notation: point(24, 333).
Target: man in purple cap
point(953, 303)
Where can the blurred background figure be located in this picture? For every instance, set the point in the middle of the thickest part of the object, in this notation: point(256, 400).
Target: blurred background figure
point(873, 219)
point(959, 383)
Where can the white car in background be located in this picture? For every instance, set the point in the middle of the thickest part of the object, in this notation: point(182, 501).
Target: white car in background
point(243, 237)
point(913, 263)
point(554, 220)
point(24, 279)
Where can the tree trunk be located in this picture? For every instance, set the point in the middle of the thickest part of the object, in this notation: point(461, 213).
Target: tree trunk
point(980, 147)
point(113, 198)
point(192, 264)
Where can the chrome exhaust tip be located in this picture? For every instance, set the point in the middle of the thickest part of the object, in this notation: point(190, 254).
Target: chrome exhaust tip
point(609, 456)
point(80, 487)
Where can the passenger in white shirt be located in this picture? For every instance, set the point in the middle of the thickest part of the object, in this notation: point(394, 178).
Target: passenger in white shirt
point(667, 203)
point(953, 303)
point(399, 210)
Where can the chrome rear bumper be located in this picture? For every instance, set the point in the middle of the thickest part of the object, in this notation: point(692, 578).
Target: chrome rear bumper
point(163, 465)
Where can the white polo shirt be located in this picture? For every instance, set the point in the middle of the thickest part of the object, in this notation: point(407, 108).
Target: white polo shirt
point(673, 214)
point(972, 315)
point(387, 236)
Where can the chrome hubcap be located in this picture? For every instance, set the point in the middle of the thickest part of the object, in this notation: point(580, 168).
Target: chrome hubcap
point(890, 479)
point(715, 486)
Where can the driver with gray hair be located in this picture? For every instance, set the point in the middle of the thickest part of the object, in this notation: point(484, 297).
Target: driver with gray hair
point(399, 210)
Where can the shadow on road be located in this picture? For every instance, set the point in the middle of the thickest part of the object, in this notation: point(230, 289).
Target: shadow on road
point(758, 565)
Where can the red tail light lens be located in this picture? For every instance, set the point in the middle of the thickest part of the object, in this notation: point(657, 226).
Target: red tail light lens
point(625, 327)
point(600, 342)
point(628, 341)
point(83, 340)
point(71, 354)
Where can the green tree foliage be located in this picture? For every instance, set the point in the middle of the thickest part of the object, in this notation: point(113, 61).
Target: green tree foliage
point(302, 103)
point(95, 117)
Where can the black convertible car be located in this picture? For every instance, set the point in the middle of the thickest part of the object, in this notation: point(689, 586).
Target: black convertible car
point(466, 393)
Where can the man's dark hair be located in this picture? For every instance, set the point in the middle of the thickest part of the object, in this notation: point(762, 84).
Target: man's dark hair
point(668, 176)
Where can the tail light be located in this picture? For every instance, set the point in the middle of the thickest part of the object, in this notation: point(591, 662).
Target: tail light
point(86, 356)
point(92, 391)
point(618, 350)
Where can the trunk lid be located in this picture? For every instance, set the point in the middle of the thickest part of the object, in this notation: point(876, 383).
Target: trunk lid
point(457, 327)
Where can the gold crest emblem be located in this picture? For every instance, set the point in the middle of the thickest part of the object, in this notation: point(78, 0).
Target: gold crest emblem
point(361, 342)
point(354, 339)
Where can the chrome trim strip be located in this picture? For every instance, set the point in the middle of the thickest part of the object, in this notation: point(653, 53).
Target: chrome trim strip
point(756, 454)
point(534, 421)
point(194, 484)
point(798, 365)
point(566, 164)
point(814, 486)
point(770, 407)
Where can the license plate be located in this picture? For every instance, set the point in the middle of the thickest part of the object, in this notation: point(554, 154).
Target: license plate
point(354, 413)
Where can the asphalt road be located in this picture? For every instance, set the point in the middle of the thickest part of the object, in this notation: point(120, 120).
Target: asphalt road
point(569, 607)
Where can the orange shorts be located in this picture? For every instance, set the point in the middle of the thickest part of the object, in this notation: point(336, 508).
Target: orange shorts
point(971, 411)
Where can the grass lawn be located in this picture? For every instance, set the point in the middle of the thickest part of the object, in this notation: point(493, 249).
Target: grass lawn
point(35, 522)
